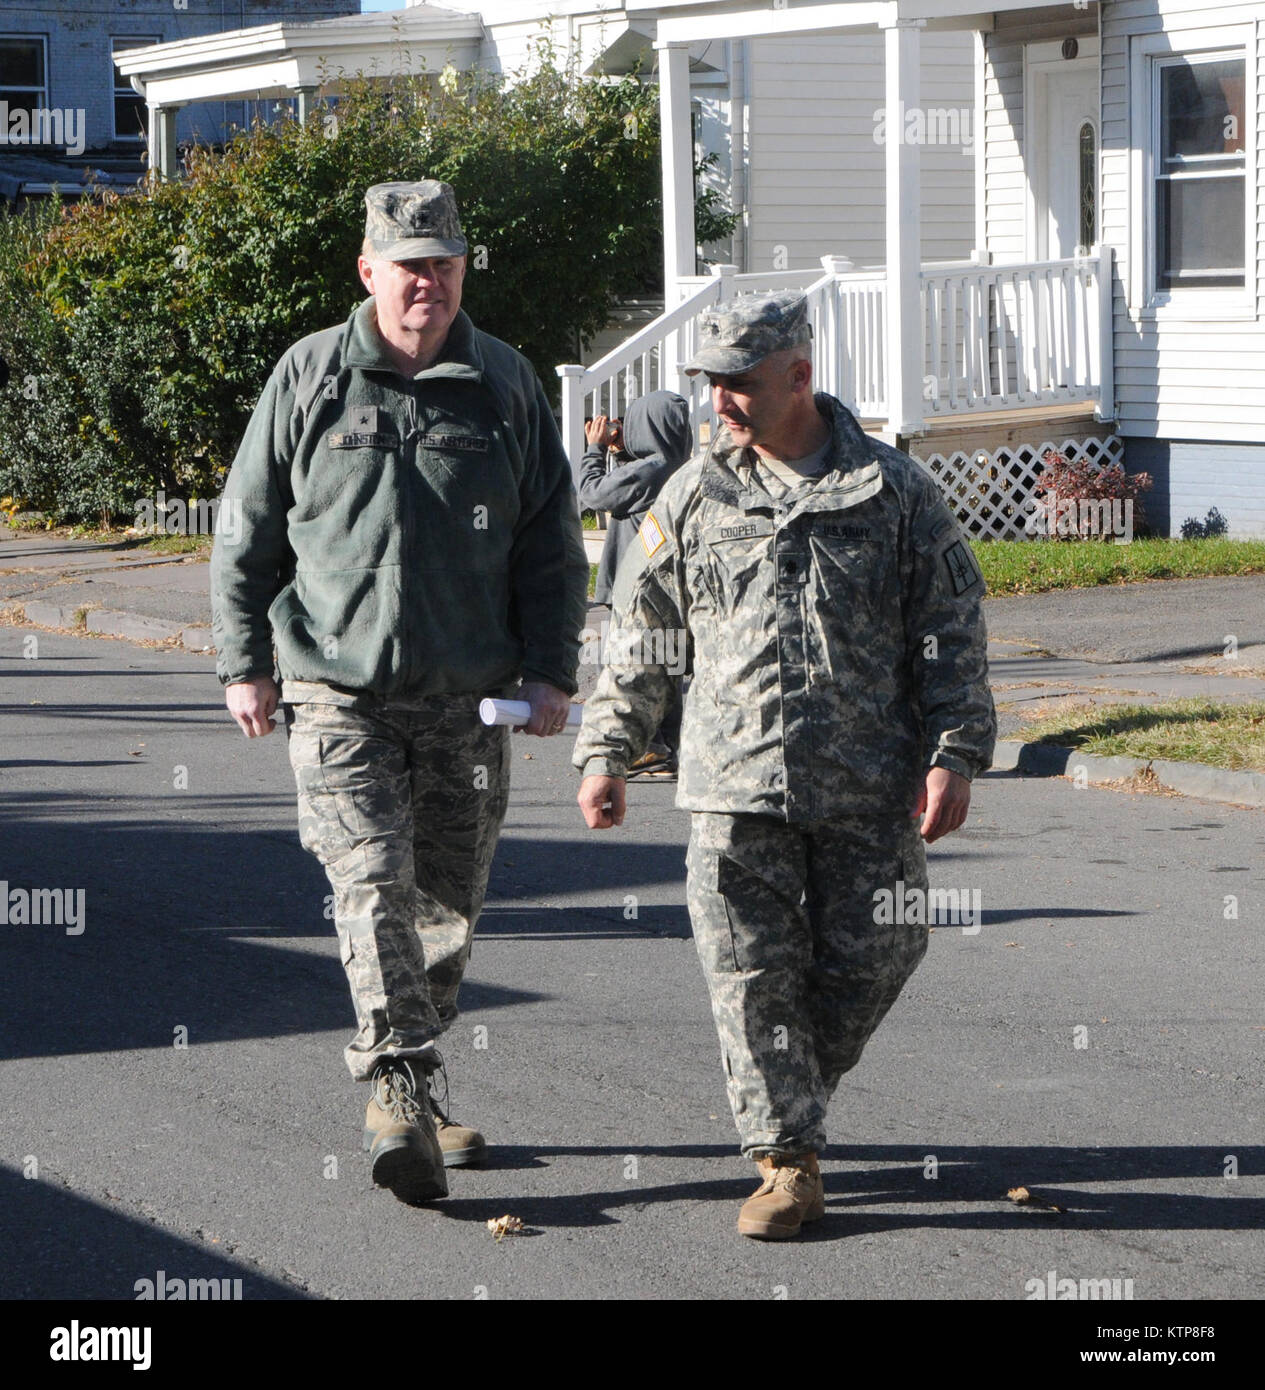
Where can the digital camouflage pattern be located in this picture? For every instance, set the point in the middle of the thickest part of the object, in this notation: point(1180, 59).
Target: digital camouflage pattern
point(741, 333)
point(837, 650)
point(835, 636)
point(413, 221)
point(401, 800)
point(797, 987)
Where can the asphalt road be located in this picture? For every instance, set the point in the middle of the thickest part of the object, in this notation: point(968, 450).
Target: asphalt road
point(599, 1086)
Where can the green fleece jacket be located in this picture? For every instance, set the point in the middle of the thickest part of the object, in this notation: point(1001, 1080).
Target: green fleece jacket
point(400, 536)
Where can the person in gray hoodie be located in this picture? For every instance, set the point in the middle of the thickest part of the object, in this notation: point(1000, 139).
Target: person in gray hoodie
point(657, 439)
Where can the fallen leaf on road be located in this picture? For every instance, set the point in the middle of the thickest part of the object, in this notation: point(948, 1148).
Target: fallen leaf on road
point(1012, 943)
point(502, 1226)
point(1023, 1198)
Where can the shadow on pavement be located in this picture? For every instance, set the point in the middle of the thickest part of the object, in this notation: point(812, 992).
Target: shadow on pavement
point(180, 929)
point(980, 1175)
point(60, 1245)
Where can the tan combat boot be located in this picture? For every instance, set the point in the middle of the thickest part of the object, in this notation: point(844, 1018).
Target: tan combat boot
point(400, 1133)
point(462, 1146)
point(791, 1193)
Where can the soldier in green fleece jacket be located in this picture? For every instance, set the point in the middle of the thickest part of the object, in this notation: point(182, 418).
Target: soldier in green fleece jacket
point(410, 543)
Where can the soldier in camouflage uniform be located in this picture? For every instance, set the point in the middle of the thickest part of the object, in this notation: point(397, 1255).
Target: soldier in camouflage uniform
point(830, 611)
point(410, 543)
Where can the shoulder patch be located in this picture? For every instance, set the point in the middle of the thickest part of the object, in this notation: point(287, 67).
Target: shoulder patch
point(651, 535)
point(962, 568)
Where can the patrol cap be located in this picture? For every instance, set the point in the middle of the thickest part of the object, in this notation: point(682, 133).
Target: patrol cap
point(741, 333)
point(412, 221)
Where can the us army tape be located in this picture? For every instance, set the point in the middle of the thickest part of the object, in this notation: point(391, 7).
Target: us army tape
point(516, 712)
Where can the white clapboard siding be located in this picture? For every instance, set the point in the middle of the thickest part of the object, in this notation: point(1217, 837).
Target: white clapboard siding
point(512, 29)
point(1202, 380)
point(817, 176)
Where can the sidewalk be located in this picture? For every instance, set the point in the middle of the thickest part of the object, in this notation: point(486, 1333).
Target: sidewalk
point(118, 590)
point(1130, 642)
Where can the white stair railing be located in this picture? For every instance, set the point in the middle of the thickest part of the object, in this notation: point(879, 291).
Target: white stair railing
point(846, 310)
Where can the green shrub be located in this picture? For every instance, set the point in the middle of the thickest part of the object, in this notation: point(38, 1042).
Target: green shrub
point(139, 329)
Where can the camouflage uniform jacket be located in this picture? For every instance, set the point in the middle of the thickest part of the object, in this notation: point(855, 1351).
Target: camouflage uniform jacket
point(835, 637)
point(401, 536)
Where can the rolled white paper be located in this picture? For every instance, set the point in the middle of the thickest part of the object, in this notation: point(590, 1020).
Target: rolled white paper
point(518, 712)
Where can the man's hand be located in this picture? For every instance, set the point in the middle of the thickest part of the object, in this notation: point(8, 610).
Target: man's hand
point(549, 708)
point(946, 798)
point(602, 801)
point(252, 703)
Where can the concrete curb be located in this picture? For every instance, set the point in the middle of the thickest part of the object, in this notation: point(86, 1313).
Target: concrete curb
point(1190, 779)
point(49, 615)
point(109, 623)
point(133, 625)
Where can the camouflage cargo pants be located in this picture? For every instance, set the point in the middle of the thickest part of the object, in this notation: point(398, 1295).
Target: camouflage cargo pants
point(799, 972)
point(402, 802)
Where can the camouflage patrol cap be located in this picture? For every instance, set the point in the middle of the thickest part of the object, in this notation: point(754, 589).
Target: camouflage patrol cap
point(741, 333)
point(412, 221)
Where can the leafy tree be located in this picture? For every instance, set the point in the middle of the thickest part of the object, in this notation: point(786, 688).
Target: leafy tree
point(149, 321)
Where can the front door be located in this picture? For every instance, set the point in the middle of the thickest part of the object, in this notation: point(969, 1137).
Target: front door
point(1062, 148)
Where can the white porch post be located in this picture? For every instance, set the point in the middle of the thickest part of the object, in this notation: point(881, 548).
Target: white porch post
point(306, 102)
point(905, 349)
point(677, 143)
point(573, 440)
point(162, 140)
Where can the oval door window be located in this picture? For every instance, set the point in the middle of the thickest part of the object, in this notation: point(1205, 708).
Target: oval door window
point(1088, 185)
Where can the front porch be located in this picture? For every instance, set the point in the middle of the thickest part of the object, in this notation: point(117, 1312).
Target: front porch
point(994, 343)
point(918, 350)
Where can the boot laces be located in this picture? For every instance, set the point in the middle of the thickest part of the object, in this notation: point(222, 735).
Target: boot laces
point(439, 1108)
point(395, 1086)
point(786, 1174)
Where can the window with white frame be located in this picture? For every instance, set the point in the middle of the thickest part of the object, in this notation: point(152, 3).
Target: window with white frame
point(129, 106)
point(1199, 152)
point(23, 72)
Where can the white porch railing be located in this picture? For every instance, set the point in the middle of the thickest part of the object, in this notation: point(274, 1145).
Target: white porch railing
point(1009, 337)
point(997, 338)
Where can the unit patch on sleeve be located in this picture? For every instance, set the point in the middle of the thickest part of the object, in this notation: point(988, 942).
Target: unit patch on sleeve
point(962, 568)
point(651, 534)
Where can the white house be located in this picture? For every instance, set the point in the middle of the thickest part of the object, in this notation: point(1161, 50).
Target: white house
point(1039, 225)
point(1114, 304)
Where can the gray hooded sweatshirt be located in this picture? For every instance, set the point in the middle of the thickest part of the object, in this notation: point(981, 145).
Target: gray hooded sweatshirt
point(657, 434)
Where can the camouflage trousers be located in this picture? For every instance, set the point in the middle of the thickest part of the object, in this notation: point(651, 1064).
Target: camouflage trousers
point(799, 972)
point(402, 802)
